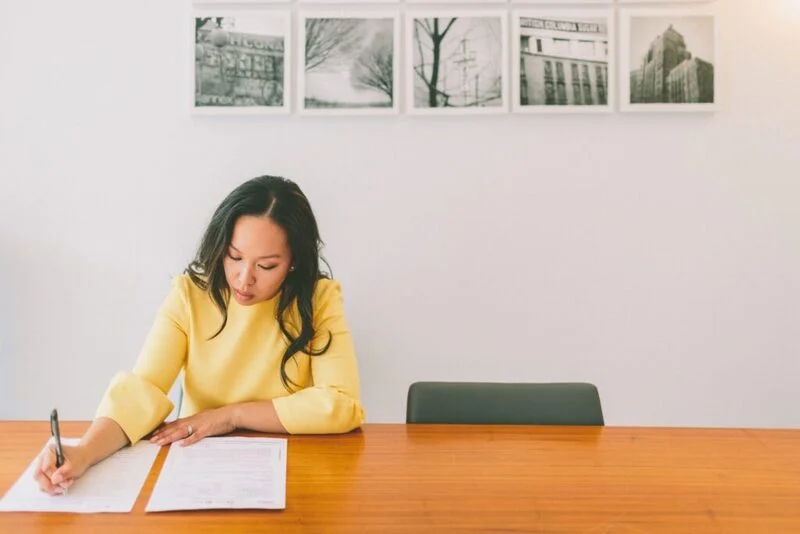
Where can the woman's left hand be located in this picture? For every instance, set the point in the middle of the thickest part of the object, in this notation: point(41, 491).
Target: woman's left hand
point(192, 429)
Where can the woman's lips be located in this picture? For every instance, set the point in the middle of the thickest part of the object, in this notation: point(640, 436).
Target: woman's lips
point(243, 296)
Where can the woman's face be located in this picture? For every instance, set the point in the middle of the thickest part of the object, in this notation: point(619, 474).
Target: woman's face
point(257, 261)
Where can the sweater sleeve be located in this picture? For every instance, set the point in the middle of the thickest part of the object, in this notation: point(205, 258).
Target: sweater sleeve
point(332, 403)
point(137, 401)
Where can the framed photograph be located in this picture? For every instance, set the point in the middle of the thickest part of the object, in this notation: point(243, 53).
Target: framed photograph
point(349, 64)
point(456, 1)
point(206, 2)
point(669, 59)
point(565, 2)
point(456, 62)
point(241, 62)
point(345, 2)
point(563, 61)
point(665, 1)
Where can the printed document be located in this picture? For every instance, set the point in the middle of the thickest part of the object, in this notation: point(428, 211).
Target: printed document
point(109, 486)
point(226, 472)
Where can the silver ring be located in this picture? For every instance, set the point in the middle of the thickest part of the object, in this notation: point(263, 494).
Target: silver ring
point(190, 431)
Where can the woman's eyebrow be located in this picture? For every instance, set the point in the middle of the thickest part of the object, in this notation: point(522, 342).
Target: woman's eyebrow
point(268, 256)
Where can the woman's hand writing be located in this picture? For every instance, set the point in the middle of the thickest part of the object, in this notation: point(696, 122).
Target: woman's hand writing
point(196, 427)
point(55, 480)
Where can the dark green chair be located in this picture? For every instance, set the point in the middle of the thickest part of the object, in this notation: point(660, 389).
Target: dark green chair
point(491, 403)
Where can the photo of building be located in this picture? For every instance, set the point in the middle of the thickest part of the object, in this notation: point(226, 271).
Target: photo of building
point(672, 60)
point(563, 61)
point(240, 61)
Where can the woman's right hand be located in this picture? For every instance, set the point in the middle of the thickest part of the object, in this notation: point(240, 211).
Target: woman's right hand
point(53, 480)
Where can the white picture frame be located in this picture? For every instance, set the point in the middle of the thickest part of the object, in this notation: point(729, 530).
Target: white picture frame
point(472, 76)
point(665, 1)
point(568, 62)
point(238, 65)
point(352, 4)
point(692, 84)
point(443, 2)
point(225, 2)
point(558, 3)
point(355, 80)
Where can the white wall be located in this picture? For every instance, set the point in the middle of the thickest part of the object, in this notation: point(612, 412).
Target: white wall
point(655, 255)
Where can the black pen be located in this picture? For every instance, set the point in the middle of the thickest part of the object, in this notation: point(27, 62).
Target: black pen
point(56, 432)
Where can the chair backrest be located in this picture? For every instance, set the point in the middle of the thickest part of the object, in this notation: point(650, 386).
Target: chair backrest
point(488, 403)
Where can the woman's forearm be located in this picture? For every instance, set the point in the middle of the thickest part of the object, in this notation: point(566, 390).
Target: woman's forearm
point(104, 438)
point(258, 416)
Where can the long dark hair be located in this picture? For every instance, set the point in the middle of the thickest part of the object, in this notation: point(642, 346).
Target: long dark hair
point(285, 204)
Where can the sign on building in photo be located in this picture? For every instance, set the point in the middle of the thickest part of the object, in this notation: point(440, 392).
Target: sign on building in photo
point(238, 69)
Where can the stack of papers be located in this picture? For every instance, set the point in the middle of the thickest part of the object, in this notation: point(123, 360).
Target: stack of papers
point(212, 473)
point(223, 473)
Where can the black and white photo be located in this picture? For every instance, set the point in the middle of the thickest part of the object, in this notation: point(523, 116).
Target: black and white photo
point(456, 62)
point(241, 62)
point(200, 2)
point(349, 63)
point(457, 1)
point(564, 2)
point(662, 1)
point(670, 60)
point(561, 61)
point(343, 1)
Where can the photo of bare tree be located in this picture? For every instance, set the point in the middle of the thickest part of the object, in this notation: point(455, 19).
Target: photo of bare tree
point(241, 61)
point(349, 63)
point(457, 64)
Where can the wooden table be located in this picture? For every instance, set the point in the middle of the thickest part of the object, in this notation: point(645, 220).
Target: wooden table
point(416, 478)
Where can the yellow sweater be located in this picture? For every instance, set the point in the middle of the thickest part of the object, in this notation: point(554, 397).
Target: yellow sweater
point(241, 364)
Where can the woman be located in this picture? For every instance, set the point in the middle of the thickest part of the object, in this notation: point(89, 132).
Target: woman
point(257, 329)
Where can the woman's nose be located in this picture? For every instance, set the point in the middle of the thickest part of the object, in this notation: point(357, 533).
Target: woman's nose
point(245, 276)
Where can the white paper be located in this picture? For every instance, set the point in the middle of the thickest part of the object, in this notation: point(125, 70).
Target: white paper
point(109, 486)
point(222, 473)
